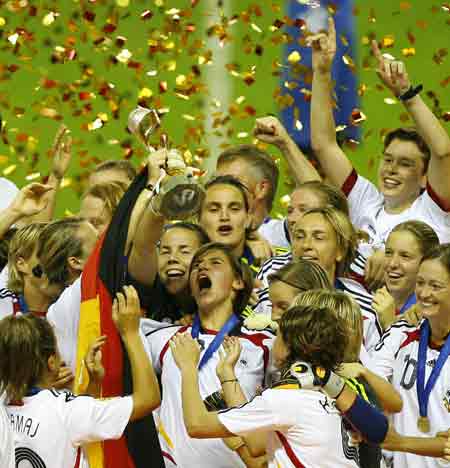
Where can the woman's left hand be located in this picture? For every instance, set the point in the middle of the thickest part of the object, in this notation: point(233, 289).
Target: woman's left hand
point(384, 305)
point(185, 351)
point(228, 358)
point(350, 370)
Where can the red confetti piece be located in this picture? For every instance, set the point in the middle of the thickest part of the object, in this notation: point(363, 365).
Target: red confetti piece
point(89, 15)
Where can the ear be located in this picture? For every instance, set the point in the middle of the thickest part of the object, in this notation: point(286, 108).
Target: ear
point(339, 256)
point(238, 284)
point(53, 364)
point(262, 190)
point(75, 263)
point(21, 264)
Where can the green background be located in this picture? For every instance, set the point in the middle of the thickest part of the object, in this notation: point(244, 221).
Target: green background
point(41, 76)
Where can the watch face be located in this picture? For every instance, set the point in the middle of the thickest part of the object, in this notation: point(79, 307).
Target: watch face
point(215, 402)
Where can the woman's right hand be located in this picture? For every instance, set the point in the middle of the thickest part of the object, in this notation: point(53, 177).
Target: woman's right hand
point(126, 311)
point(228, 358)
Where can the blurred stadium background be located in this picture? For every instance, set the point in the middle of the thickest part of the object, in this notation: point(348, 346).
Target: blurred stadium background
point(210, 66)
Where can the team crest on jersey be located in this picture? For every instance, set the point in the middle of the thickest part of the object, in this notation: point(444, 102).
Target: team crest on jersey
point(446, 401)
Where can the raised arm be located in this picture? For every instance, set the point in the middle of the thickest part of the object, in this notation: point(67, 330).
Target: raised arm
point(270, 130)
point(126, 313)
point(394, 75)
point(333, 160)
point(30, 201)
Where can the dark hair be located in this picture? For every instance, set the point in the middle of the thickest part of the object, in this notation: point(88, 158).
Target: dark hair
point(233, 182)
point(331, 196)
point(239, 267)
point(195, 228)
point(122, 165)
point(302, 275)
point(313, 334)
point(261, 163)
point(441, 253)
point(57, 242)
point(26, 343)
point(409, 134)
point(424, 234)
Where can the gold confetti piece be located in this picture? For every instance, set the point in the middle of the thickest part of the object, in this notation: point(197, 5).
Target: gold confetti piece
point(13, 38)
point(145, 93)
point(3, 159)
point(188, 117)
point(9, 170)
point(95, 125)
point(152, 73)
point(33, 176)
point(298, 125)
point(66, 182)
point(242, 135)
point(348, 61)
point(256, 28)
point(122, 3)
point(182, 96)
point(390, 101)
point(388, 41)
point(124, 56)
point(2, 21)
point(408, 52)
point(388, 56)
point(240, 99)
point(180, 80)
point(49, 18)
point(285, 200)
point(103, 116)
point(294, 57)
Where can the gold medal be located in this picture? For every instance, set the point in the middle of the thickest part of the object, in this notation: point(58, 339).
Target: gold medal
point(423, 423)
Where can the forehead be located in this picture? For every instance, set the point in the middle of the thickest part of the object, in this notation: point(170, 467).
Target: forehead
point(223, 193)
point(306, 195)
point(433, 269)
point(314, 221)
point(179, 236)
point(108, 175)
point(407, 149)
point(404, 240)
point(279, 289)
point(234, 168)
point(91, 206)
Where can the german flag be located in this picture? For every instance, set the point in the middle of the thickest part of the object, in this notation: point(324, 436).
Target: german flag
point(103, 276)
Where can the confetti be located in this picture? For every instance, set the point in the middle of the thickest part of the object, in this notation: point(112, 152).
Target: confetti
point(294, 57)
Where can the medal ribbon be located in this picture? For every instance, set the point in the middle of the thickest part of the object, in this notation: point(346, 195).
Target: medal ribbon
point(409, 302)
point(424, 390)
point(215, 344)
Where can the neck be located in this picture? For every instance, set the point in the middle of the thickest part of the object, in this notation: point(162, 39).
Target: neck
point(439, 331)
point(36, 301)
point(396, 207)
point(332, 274)
point(238, 250)
point(400, 298)
point(259, 214)
point(216, 317)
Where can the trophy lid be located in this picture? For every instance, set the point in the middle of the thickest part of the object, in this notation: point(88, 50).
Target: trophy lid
point(137, 116)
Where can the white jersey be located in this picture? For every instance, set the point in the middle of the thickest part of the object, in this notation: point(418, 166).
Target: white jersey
point(372, 327)
point(50, 427)
point(7, 297)
point(275, 232)
point(7, 459)
point(177, 447)
point(395, 357)
point(367, 211)
point(64, 315)
point(302, 428)
point(8, 191)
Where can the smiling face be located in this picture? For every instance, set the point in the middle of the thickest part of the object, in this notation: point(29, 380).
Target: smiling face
point(316, 240)
point(224, 216)
point(302, 200)
point(177, 247)
point(213, 282)
point(403, 256)
point(401, 174)
point(433, 291)
point(281, 295)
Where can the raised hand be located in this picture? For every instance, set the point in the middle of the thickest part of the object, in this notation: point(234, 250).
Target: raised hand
point(185, 351)
point(391, 72)
point(323, 47)
point(126, 311)
point(64, 378)
point(93, 360)
point(270, 130)
point(384, 305)
point(228, 358)
point(30, 200)
point(61, 152)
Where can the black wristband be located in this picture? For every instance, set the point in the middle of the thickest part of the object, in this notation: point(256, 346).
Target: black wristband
point(412, 91)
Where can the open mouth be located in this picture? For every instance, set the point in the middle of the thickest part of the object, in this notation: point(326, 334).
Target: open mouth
point(204, 283)
point(225, 229)
point(391, 183)
point(309, 258)
point(175, 273)
point(394, 276)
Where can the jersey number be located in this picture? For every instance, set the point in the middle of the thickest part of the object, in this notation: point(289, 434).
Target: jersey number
point(409, 374)
point(31, 459)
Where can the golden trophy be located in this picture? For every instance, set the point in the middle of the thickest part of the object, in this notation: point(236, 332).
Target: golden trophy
point(179, 196)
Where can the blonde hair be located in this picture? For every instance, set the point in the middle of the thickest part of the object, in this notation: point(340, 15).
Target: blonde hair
point(22, 245)
point(346, 310)
point(109, 192)
point(346, 235)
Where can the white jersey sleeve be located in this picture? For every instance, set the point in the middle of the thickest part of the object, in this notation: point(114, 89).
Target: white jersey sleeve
point(6, 439)
point(275, 232)
point(8, 192)
point(64, 315)
point(89, 420)
point(385, 352)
